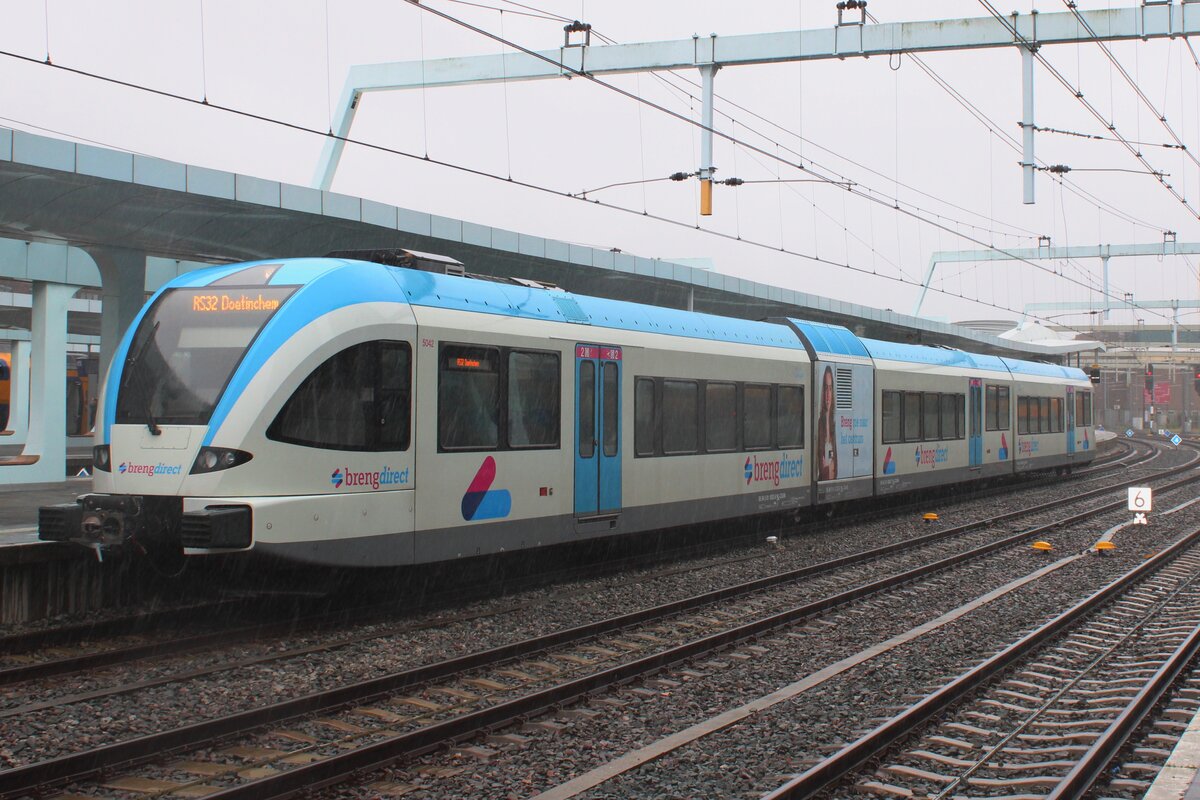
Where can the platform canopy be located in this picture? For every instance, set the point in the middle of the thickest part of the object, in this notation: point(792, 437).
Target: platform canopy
point(132, 210)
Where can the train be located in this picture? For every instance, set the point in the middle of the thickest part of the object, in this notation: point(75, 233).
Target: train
point(80, 390)
point(372, 410)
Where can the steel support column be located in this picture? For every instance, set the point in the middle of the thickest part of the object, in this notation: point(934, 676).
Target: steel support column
point(1028, 163)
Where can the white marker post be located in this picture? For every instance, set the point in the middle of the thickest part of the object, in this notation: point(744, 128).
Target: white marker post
point(1141, 500)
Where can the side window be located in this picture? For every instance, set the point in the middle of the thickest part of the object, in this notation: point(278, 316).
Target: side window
point(643, 417)
point(720, 417)
point(948, 416)
point(892, 418)
point(790, 419)
point(533, 399)
point(992, 407)
point(1022, 415)
point(756, 416)
point(358, 399)
point(680, 413)
point(1044, 403)
point(960, 416)
point(1003, 419)
point(469, 398)
point(931, 410)
point(1083, 404)
point(912, 417)
point(1056, 414)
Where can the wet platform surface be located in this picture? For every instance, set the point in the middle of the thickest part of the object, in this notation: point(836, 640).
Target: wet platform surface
point(19, 506)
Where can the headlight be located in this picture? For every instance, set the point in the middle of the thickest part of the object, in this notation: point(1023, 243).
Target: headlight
point(102, 458)
point(214, 459)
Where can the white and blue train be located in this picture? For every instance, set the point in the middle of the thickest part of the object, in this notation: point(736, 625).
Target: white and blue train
point(346, 412)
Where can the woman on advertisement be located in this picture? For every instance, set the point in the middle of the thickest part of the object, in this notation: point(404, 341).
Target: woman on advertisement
point(826, 431)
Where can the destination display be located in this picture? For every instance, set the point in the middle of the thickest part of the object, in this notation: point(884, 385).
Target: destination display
point(227, 302)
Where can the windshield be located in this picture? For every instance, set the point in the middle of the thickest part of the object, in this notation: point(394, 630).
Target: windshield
point(187, 347)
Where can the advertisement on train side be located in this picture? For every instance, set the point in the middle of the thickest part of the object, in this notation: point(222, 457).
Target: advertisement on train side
point(842, 423)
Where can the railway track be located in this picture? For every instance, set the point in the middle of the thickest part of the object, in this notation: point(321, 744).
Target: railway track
point(1047, 714)
point(446, 701)
point(75, 648)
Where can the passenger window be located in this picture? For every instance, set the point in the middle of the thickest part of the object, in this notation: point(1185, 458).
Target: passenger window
point(960, 416)
point(533, 399)
point(948, 404)
point(720, 417)
point(1083, 409)
point(680, 417)
point(756, 416)
point(469, 398)
point(931, 410)
point(1022, 415)
point(643, 417)
point(790, 419)
point(1044, 403)
point(1002, 411)
point(892, 418)
point(358, 399)
point(1056, 415)
point(612, 396)
point(912, 417)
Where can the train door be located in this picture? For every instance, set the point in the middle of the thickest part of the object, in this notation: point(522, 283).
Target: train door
point(1070, 420)
point(597, 430)
point(975, 421)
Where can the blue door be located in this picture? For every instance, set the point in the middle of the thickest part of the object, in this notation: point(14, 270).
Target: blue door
point(975, 421)
point(1070, 420)
point(597, 430)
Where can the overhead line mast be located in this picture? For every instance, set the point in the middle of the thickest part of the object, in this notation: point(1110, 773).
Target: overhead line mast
point(850, 38)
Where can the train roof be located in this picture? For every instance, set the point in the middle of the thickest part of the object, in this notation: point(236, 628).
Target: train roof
point(469, 294)
point(1019, 367)
point(934, 356)
point(829, 339)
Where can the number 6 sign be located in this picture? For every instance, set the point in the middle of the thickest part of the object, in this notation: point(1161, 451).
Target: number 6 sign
point(1140, 498)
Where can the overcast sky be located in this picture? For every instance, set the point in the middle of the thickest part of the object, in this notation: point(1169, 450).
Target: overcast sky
point(884, 124)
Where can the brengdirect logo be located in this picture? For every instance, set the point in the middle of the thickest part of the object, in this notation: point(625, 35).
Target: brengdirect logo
point(130, 468)
point(931, 456)
point(344, 476)
point(1027, 447)
point(773, 471)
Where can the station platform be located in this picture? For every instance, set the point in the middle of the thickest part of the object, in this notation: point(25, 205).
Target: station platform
point(79, 456)
point(19, 506)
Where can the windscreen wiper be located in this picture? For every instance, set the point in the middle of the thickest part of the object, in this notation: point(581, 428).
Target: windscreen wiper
point(130, 363)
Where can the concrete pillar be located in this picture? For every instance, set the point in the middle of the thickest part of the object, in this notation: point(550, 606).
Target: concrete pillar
point(18, 395)
point(47, 390)
point(123, 289)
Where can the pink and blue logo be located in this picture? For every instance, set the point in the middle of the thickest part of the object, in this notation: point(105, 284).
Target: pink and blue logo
point(889, 464)
point(1003, 454)
point(336, 479)
point(482, 501)
point(1086, 444)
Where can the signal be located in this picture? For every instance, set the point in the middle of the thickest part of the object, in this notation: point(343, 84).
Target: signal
point(1196, 378)
point(1150, 379)
point(1094, 374)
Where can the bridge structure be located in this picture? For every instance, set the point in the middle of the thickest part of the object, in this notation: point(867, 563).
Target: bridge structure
point(75, 215)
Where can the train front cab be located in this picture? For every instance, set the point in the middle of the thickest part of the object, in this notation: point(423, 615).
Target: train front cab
point(246, 410)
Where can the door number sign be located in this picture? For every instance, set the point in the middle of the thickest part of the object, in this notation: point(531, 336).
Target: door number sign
point(1140, 501)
